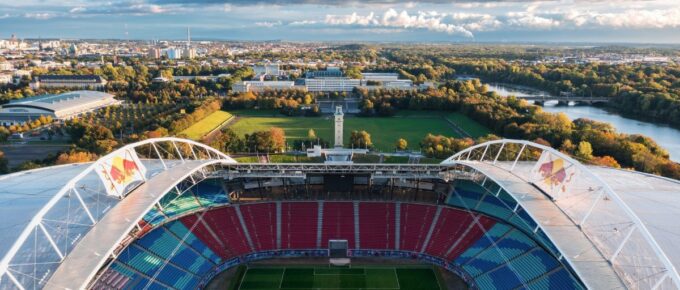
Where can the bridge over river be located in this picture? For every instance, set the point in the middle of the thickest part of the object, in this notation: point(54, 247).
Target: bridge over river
point(541, 99)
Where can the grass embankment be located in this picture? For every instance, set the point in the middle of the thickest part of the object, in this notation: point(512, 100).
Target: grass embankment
point(208, 124)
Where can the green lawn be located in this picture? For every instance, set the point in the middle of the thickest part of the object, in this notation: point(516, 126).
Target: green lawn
point(384, 131)
point(470, 126)
point(209, 123)
point(368, 277)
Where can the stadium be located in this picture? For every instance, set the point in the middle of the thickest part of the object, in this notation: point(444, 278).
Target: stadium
point(170, 213)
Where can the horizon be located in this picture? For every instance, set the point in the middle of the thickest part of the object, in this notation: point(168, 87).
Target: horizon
point(500, 21)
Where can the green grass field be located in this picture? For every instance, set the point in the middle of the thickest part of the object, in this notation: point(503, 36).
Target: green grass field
point(384, 131)
point(367, 277)
point(209, 123)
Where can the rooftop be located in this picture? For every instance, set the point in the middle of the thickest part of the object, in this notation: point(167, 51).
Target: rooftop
point(60, 101)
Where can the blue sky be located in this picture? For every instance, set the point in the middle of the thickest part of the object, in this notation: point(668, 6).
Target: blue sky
point(653, 21)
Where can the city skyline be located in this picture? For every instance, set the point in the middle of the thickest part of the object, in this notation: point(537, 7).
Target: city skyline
point(656, 21)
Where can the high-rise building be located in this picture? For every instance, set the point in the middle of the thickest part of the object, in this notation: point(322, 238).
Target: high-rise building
point(174, 53)
point(154, 53)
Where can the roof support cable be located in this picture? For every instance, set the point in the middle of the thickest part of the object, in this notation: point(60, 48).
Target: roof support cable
point(159, 156)
point(499, 153)
point(519, 154)
point(82, 202)
point(49, 238)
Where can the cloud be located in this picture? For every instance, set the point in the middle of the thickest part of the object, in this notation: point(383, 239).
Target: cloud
point(303, 22)
point(268, 24)
point(529, 20)
point(638, 19)
point(336, 2)
point(41, 16)
point(432, 21)
point(131, 8)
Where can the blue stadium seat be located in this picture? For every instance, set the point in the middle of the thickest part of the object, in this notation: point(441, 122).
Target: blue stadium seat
point(502, 278)
point(494, 207)
point(484, 242)
point(181, 231)
point(559, 280)
point(210, 193)
point(162, 243)
point(177, 278)
point(139, 260)
point(533, 265)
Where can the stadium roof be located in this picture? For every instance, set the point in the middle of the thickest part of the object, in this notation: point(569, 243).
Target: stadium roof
point(24, 194)
point(63, 101)
point(44, 211)
point(628, 218)
point(613, 226)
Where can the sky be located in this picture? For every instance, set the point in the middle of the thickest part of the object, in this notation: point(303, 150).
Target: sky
point(511, 21)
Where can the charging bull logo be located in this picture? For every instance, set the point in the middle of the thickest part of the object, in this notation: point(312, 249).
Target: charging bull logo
point(123, 170)
point(119, 171)
point(554, 174)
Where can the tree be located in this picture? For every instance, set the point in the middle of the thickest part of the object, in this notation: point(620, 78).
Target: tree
point(278, 138)
point(584, 151)
point(75, 157)
point(4, 133)
point(311, 134)
point(401, 144)
point(3, 163)
point(607, 161)
point(353, 72)
point(360, 139)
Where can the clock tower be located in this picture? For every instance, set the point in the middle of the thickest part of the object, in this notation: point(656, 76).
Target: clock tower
point(339, 119)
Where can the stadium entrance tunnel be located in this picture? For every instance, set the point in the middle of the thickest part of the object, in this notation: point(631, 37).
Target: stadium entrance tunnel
point(197, 231)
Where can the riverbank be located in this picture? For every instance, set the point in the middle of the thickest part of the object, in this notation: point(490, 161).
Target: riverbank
point(666, 136)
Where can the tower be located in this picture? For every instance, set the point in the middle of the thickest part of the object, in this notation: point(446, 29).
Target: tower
point(188, 37)
point(339, 119)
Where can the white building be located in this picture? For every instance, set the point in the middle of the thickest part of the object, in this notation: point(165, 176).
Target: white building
point(154, 53)
point(189, 53)
point(173, 53)
point(385, 80)
point(69, 81)
point(258, 86)
point(59, 107)
point(271, 69)
point(5, 78)
point(380, 77)
point(331, 84)
point(5, 65)
point(331, 71)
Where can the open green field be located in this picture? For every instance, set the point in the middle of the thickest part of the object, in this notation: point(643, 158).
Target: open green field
point(367, 277)
point(384, 131)
point(209, 123)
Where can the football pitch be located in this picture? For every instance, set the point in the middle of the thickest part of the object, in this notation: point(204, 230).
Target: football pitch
point(385, 131)
point(323, 277)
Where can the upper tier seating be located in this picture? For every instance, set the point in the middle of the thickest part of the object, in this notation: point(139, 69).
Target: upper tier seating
point(180, 253)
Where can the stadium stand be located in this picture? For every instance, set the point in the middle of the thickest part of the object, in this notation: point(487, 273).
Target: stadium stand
point(299, 225)
point(338, 223)
point(376, 226)
point(260, 220)
point(494, 254)
point(415, 223)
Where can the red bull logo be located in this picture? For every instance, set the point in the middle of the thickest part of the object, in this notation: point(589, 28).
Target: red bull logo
point(555, 174)
point(123, 170)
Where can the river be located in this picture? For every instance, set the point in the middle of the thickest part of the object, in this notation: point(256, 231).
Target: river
point(667, 137)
